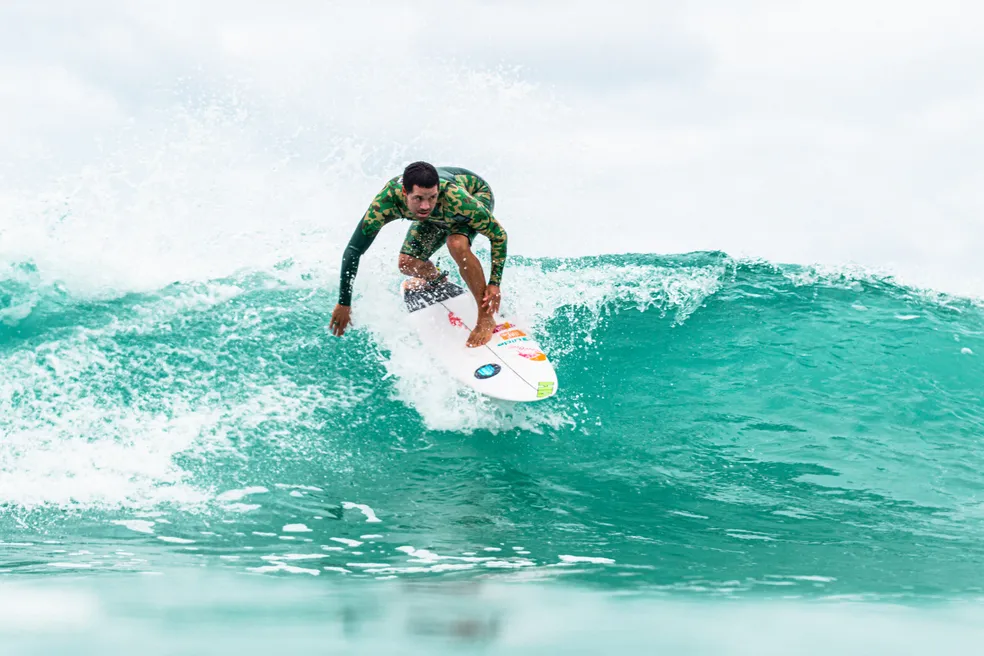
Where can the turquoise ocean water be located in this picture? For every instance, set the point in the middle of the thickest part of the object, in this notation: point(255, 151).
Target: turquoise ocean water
point(744, 457)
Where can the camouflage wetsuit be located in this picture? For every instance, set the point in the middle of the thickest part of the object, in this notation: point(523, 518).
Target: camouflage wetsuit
point(464, 207)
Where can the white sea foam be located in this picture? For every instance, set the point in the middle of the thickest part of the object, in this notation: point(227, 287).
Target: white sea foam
point(596, 560)
point(67, 444)
point(364, 509)
point(138, 525)
point(236, 495)
point(283, 567)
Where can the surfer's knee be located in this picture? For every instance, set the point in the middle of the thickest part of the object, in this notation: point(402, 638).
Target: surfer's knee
point(458, 246)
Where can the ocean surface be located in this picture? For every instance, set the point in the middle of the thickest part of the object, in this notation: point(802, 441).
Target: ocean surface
point(744, 456)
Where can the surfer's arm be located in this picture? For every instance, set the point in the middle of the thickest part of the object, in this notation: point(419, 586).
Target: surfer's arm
point(360, 242)
point(382, 210)
point(487, 225)
point(465, 207)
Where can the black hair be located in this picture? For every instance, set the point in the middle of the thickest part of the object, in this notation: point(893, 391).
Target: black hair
point(420, 174)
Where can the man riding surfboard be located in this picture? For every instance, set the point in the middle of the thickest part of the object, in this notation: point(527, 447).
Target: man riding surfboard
point(447, 205)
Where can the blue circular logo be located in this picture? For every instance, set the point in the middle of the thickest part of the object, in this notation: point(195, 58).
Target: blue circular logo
point(487, 371)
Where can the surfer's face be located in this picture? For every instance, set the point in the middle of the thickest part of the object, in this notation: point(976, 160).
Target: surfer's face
point(421, 201)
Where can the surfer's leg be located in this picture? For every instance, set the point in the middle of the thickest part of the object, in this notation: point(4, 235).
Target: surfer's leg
point(422, 269)
point(422, 240)
point(459, 245)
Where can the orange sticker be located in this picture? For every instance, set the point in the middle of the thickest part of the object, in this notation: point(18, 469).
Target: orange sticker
point(502, 326)
point(509, 334)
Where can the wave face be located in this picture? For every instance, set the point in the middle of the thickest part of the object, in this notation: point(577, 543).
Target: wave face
point(739, 432)
point(723, 427)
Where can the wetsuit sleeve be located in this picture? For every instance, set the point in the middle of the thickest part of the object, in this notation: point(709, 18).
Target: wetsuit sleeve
point(481, 220)
point(491, 228)
point(382, 210)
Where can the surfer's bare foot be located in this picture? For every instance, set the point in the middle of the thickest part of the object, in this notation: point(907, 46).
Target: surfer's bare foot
point(483, 331)
point(414, 283)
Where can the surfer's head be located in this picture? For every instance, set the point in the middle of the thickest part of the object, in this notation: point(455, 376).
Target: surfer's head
point(420, 186)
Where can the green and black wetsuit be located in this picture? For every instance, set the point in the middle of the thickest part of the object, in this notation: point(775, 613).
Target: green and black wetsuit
point(464, 207)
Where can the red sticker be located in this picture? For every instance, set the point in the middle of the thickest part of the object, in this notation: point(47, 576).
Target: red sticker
point(455, 320)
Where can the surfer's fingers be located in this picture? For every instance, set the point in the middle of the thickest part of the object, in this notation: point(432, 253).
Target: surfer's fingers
point(340, 319)
point(491, 301)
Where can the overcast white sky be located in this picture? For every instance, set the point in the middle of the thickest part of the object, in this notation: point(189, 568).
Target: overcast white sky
point(805, 131)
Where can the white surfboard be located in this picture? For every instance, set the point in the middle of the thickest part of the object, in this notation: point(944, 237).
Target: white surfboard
point(511, 367)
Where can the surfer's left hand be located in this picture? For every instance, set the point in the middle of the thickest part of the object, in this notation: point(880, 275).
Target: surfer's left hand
point(492, 298)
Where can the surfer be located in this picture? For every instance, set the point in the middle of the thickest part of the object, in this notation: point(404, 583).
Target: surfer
point(447, 205)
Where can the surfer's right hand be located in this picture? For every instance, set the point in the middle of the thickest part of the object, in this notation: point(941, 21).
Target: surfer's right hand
point(340, 319)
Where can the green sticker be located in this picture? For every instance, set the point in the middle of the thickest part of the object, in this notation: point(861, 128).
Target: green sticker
point(544, 389)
